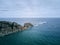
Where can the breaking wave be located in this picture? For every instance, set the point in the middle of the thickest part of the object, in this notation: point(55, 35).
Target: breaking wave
point(40, 23)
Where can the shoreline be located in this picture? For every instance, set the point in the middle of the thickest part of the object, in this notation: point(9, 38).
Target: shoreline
point(7, 28)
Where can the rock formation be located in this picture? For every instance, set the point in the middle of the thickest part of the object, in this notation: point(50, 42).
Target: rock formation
point(11, 27)
point(28, 25)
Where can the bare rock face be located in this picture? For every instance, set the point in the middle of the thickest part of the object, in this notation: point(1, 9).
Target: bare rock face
point(10, 27)
point(28, 25)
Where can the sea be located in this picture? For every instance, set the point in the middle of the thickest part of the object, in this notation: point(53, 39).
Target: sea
point(46, 31)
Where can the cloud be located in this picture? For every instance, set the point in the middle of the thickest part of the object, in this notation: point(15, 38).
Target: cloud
point(29, 8)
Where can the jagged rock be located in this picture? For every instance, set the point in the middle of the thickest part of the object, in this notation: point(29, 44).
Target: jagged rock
point(28, 25)
point(24, 28)
point(11, 27)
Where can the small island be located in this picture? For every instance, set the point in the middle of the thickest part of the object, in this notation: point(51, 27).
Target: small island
point(7, 27)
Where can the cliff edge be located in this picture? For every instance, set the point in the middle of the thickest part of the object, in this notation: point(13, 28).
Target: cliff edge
point(11, 27)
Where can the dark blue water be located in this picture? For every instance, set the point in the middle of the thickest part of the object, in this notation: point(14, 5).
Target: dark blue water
point(46, 31)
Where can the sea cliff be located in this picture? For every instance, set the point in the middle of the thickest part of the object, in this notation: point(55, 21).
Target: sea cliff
point(7, 27)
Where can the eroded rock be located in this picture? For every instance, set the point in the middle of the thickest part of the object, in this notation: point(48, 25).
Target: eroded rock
point(11, 27)
point(28, 25)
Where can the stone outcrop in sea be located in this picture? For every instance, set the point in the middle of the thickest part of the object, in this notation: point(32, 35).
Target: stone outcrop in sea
point(11, 27)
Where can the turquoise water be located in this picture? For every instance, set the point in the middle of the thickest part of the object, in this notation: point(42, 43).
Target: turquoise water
point(46, 31)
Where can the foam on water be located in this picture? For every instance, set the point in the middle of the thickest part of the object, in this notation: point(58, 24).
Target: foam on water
point(40, 23)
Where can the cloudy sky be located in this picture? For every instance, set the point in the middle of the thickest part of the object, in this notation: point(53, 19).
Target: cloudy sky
point(29, 8)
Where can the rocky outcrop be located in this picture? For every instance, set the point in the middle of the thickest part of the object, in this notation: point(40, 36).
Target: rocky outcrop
point(11, 27)
point(28, 25)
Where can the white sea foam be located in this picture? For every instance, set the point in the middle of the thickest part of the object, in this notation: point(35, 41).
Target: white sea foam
point(40, 23)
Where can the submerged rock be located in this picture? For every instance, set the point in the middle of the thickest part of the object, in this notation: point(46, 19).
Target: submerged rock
point(11, 27)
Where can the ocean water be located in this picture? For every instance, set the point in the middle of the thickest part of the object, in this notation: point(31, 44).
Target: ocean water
point(46, 31)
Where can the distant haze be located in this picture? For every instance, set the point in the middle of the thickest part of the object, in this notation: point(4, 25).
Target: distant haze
point(29, 8)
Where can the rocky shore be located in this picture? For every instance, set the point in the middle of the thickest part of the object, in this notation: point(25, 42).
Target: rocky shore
point(11, 27)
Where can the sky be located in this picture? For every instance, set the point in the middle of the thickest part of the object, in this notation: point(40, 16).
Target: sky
point(29, 8)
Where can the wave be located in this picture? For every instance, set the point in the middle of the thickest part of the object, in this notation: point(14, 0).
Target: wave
point(40, 23)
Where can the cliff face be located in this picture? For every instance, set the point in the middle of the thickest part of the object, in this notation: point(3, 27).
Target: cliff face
point(11, 27)
point(28, 25)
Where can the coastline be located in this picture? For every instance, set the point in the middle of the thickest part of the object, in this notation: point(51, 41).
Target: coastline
point(7, 28)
